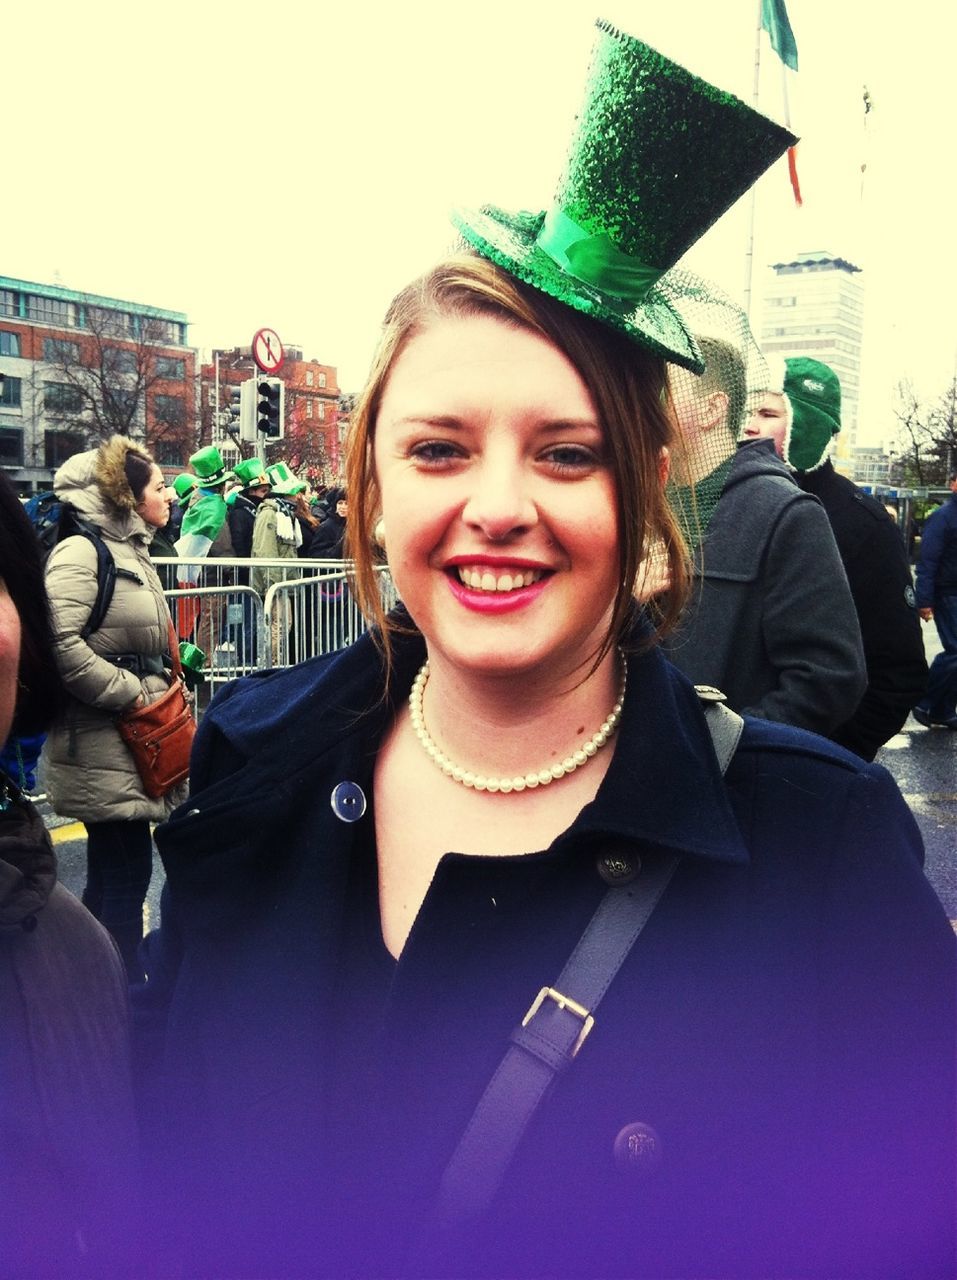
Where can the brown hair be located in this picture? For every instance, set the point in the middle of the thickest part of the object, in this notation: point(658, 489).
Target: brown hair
point(626, 383)
point(138, 467)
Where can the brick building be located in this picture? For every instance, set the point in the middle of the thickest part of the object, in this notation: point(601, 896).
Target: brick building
point(76, 367)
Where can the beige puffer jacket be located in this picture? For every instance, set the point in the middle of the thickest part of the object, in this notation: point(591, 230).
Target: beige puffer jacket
point(89, 772)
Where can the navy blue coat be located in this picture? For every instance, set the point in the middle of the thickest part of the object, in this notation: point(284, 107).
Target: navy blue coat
point(784, 1026)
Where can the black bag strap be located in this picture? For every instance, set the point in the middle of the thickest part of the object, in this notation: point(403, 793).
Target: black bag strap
point(556, 1025)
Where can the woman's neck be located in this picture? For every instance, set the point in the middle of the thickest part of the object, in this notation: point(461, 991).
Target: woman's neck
point(513, 724)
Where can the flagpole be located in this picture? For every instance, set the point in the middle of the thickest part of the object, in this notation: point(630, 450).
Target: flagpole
point(749, 252)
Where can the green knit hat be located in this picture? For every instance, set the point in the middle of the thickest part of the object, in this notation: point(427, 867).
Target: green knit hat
point(813, 391)
point(657, 157)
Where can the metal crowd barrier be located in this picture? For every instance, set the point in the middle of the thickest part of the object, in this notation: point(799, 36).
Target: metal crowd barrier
point(253, 614)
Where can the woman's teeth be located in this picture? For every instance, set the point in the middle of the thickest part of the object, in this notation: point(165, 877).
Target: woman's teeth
point(485, 580)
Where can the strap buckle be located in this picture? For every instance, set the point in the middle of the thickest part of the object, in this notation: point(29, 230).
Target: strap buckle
point(563, 1002)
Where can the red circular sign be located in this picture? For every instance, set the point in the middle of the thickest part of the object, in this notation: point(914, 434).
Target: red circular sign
point(267, 350)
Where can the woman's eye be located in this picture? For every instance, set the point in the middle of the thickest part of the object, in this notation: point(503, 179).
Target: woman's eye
point(572, 457)
point(434, 452)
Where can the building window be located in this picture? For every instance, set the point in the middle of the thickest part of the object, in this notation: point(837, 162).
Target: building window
point(11, 447)
point(170, 368)
point(60, 445)
point(9, 343)
point(123, 401)
point(322, 380)
point(310, 378)
point(119, 360)
point(10, 395)
point(169, 410)
point(60, 397)
point(61, 351)
point(50, 310)
point(308, 408)
point(168, 453)
point(8, 303)
point(322, 410)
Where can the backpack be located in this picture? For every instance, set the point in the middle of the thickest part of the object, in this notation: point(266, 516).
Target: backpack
point(53, 521)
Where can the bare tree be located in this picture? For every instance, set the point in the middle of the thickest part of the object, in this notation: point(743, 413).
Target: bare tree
point(928, 435)
point(103, 379)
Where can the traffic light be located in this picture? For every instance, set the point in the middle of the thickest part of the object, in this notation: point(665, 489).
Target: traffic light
point(270, 407)
point(247, 410)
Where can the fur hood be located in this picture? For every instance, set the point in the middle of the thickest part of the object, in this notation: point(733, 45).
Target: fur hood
point(95, 483)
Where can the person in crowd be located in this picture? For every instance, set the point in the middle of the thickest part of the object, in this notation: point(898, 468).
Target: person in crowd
point(329, 538)
point(308, 523)
point(241, 516)
point(277, 536)
point(68, 1142)
point(204, 533)
point(242, 513)
point(937, 601)
point(771, 622)
point(391, 855)
point(801, 413)
point(89, 771)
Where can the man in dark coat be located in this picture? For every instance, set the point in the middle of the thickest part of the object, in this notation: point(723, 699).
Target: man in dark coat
point(771, 622)
point(803, 420)
point(937, 600)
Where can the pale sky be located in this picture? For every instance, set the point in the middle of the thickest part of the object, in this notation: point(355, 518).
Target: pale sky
point(293, 165)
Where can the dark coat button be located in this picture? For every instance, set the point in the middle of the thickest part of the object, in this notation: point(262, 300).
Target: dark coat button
point(637, 1148)
point(348, 801)
point(618, 866)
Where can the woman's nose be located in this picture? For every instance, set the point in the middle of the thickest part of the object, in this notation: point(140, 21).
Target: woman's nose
point(500, 503)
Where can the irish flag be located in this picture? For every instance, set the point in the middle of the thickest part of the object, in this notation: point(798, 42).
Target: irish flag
point(775, 21)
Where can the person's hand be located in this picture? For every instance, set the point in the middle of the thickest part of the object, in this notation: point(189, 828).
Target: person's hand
point(925, 614)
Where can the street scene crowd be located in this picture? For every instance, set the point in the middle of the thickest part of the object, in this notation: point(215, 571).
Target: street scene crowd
point(559, 924)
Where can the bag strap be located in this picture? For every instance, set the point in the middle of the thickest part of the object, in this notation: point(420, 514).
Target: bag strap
point(556, 1025)
point(174, 651)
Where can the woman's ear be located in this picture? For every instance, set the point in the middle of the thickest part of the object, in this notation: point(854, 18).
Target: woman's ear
point(664, 465)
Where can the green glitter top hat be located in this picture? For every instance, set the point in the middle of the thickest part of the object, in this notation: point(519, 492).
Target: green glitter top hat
point(657, 157)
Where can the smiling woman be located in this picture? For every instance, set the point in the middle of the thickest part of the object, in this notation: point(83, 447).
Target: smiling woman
point(404, 1016)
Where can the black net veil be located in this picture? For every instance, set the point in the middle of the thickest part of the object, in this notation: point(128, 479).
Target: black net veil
point(712, 408)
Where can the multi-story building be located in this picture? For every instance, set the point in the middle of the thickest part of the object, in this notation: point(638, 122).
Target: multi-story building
point(814, 306)
point(76, 367)
point(310, 443)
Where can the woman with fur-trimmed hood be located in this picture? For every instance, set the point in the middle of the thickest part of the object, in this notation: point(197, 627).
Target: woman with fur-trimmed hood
point(90, 773)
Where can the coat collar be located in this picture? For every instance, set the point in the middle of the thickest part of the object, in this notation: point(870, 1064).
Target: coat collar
point(663, 785)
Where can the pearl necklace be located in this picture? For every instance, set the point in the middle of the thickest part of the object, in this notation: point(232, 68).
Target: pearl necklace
point(539, 778)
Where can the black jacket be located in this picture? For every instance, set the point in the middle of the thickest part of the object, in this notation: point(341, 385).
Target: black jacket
point(937, 565)
point(327, 541)
point(784, 1025)
point(771, 621)
point(875, 561)
point(242, 517)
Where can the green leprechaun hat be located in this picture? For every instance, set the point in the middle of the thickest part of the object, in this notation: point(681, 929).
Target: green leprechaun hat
point(251, 473)
point(658, 155)
point(209, 467)
point(183, 486)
